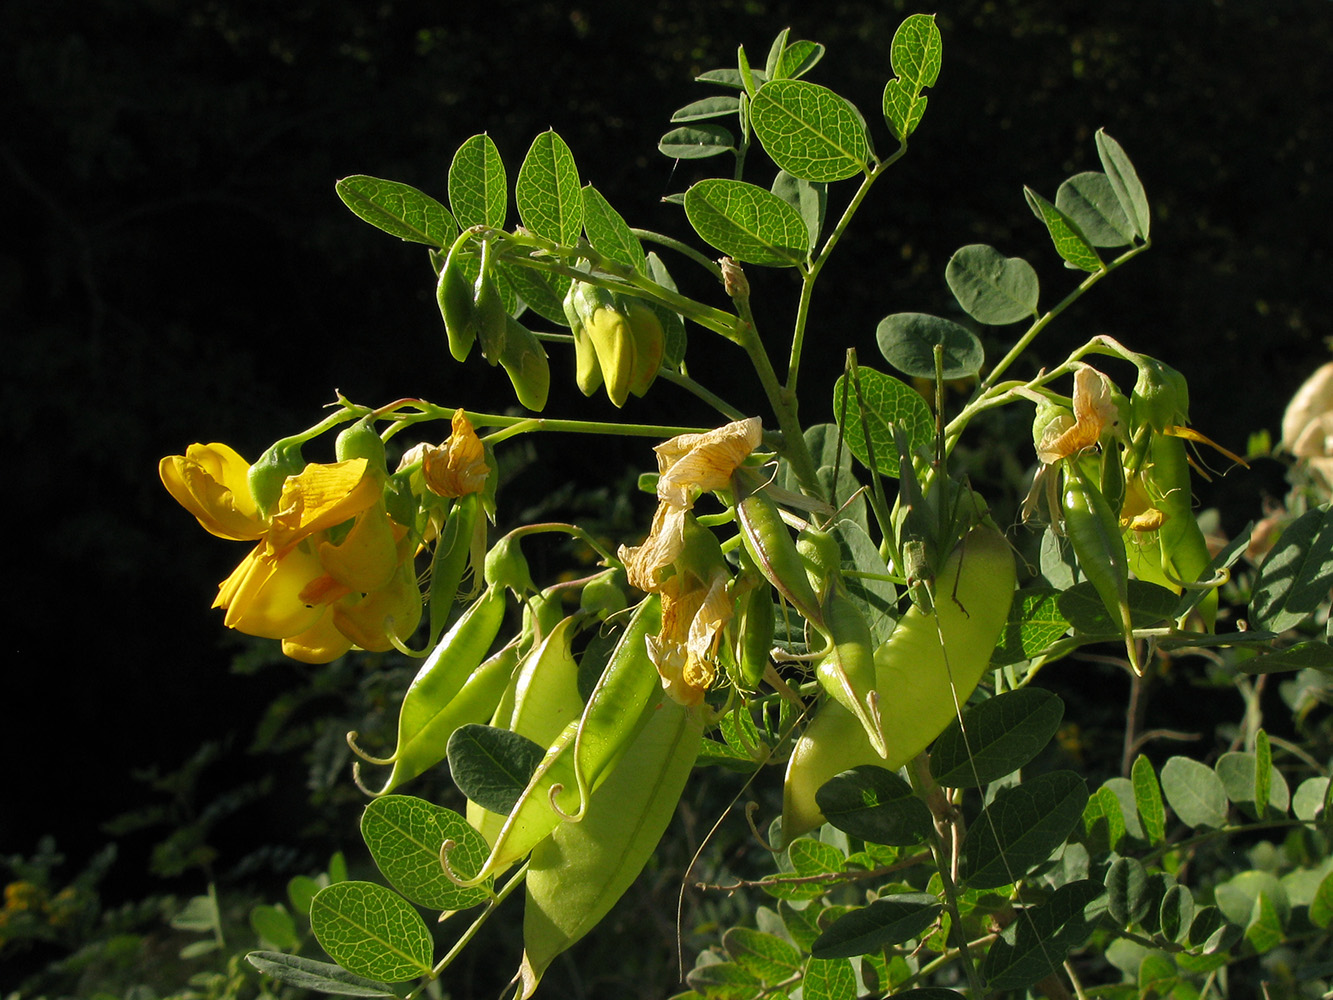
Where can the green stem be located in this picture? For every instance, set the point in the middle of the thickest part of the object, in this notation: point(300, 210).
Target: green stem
point(512, 426)
point(491, 905)
point(684, 249)
point(807, 286)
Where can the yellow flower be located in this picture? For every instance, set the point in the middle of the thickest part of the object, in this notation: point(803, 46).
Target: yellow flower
point(459, 465)
point(331, 568)
point(211, 482)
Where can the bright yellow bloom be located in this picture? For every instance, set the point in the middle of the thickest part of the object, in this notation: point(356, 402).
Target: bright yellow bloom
point(331, 568)
point(211, 482)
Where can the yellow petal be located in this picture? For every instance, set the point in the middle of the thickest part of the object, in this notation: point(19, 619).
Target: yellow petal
point(320, 497)
point(263, 595)
point(321, 644)
point(715, 611)
point(690, 464)
point(393, 609)
point(210, 481)
point(367, 558)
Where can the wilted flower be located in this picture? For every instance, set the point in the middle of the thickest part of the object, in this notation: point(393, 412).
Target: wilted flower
point(459, 465)
point(1094, 413)
point(1307, 425)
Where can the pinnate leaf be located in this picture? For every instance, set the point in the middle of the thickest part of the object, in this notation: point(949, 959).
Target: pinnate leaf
point(405, 834)
point(883, 401)
point(1002, 734)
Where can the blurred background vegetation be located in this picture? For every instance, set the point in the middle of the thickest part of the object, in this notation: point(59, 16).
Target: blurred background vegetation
point(175, 267)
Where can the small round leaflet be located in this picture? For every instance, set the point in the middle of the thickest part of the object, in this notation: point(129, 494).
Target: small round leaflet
point(907, 341)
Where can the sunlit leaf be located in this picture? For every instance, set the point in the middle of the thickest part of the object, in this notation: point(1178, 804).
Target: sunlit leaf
point(708, 107)
point(322, 977)
point(883, 401)
point(371, 931)
point(888, 920)
point(1034, 625)
point(405, 834)
point(1090, 201)
point(1238, 773)
point(748, 223)
point(1070, 243)
point(916, 51)
point(1148, 799)
point(609, 234)
point(765, 956)
point(398, 209)
point(1295, 577)
point(548, 193)
point(1125, 181)
point(809, 131)
point(478, 185)
point(1195, 792)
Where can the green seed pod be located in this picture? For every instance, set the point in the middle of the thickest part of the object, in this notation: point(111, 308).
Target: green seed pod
point(583, 868)
point(361, 440)
point(492, 317)
point(924, 672)
point(453, 554)
point(452, 688)
point(755, 618)
point(773, 552)
point(456, 298)
point(524, 361)
point(649, 344)
point(846, 671)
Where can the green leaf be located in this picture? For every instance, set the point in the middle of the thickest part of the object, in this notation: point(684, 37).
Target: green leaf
point(1022, 828)
point(1148, 799)
point(275, 926)
point(907, 341)
point(729, 77)
point(548, 193)
point(1308, 802)
point(478, 184)
point(542, 292)
point(673, 325)
point(322, 977)
point(1104, 821)
point(1038, 940)
point(1195, 792)
point(768, 958)
point(696, 142)
point(828, 979)
point(1090, 201)
point(1123, 790)
point(1125, 181)
point(1312, 654)
point(808, 858)
point(802, 925)
point(405, 834)
point(1237, 771)
point(886, 401)
point(888, 920)
point(723, 981)
point(903, 108)
point(875, 805)
point(992, 288)
point(809, 131)
point(917, 50)
point(1295, 576)
point(398, 209)
point(1266, 929)
point(1321, 907)
point(748, 223)
point(1149, 605)
point(1264, 774)
point(928, 993)
point(1070, 243)
point(371, 931)
point(1127, 899)
point(708, 107)
point(301, 889)
point(1034, 625)
point(811, 200)
point(609, 234)
point(1176, 913)
point(1002, 734)
point(492, 766)
point(797, 59)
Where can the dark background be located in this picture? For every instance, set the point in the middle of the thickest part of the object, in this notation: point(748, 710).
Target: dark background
point(176, 267)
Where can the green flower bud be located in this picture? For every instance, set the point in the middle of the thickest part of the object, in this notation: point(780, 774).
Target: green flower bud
point(270, 472)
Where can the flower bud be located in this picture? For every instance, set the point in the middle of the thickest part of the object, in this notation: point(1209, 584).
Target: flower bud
point(268, 475)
